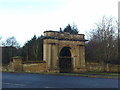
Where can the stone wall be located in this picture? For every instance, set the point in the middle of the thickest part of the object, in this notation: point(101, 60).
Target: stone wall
point(99, 67)
point(36, 67)
point(114, 68)
point(19, 66)
point(95, 67)
point(42, 67)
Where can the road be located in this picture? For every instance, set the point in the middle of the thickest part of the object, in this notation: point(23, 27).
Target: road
point(26, 80)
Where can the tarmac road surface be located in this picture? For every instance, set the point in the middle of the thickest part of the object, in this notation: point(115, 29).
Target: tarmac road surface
point(27, 80)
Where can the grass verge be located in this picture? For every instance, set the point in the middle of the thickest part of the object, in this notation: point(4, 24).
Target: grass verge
point(86, 74)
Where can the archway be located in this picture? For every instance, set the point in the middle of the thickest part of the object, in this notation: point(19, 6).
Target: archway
point(65, 60)
point(55, 43)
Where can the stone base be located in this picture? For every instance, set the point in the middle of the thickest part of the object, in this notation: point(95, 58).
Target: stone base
point(80, 70)
point(52, 70)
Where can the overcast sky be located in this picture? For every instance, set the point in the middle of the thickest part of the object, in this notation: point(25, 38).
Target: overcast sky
point(25, 18)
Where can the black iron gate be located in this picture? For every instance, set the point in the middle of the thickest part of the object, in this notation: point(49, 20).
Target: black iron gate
point(65, 64)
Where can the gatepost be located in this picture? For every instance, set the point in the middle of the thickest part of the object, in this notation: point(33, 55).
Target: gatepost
point(17, 63)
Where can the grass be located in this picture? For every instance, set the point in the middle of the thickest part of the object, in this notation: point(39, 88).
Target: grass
point(86, 74)
point(100, 73)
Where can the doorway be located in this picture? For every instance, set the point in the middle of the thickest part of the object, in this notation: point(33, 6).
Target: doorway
point(65, 60)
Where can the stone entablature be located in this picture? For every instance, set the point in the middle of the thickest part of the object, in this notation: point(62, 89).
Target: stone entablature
point(63, 36)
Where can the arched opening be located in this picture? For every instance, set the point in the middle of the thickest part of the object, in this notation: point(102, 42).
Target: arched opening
point(65, 60)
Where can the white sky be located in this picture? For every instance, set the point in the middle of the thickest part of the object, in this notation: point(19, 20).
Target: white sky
point(24, 18)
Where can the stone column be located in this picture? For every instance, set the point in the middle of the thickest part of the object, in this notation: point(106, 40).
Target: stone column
point(74, 56)
point(45, 50)
point(54, 57)
point(17, 64)
point(49, 59)
point(76, 59)
point(82, 58)
point(46, 53)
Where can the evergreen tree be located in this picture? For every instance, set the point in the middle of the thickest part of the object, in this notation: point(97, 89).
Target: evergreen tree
point(71, 29)
point(33, 49)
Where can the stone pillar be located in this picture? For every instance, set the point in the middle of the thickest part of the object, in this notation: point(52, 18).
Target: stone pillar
point(79, 59)
point(76, 61)
point(45, 49)
point(49, 59)
point(17, 64)
point(82, 58)
point(55, 56)
point(107, 67)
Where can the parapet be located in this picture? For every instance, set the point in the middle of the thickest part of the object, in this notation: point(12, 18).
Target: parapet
point(63, 36)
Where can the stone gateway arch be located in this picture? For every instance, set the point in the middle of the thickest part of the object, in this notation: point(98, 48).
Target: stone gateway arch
point(64, 52)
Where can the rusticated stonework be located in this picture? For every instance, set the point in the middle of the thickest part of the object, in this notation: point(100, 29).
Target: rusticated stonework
point(55, 41)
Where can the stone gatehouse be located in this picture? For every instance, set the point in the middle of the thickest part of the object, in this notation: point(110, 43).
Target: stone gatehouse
point(64, 52)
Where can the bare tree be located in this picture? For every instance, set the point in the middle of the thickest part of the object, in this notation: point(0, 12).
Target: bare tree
point(11, 44)
point(11, 41)
point(103, 41)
